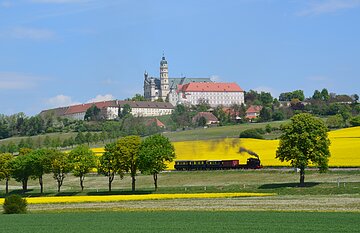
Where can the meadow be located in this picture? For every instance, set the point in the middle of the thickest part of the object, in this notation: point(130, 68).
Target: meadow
point(181, 221)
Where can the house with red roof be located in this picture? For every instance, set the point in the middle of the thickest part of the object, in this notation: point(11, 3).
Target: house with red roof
point(155, 121)
point(253, 112)
point(210, 118)
point(214, 93)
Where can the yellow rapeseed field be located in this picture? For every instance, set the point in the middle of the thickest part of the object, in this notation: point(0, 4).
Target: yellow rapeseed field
point(344, 148)
point(115, 198)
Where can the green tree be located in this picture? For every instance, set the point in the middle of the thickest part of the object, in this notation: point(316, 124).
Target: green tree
point(47, 141)
point(325, 94)
point(108, 165)
point(304, 141)
point(127, 155)
point(355, 121)
point(80, 138)
point(181, 116)
point(60, 166)
point(335, 121)
point(82, 160)
point(265, 114)
point(137, 97)
point(88, 138)
point(5, 169)
point(21, 167)
point(155, 151)
point(317, 95)
point(201, 121)
point(278, 115)
point(92, 113)
point(124, 111)
point(41, 164)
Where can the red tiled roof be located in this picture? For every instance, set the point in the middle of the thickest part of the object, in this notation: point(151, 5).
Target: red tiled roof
point(254, 109)
point(207, 115)
point(156, 121)
point(210, 87)
point(83, 107)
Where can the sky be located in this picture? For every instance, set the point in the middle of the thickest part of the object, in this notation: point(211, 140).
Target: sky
point(61, 52)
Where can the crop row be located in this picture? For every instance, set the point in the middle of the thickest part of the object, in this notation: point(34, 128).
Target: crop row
point(114, 198)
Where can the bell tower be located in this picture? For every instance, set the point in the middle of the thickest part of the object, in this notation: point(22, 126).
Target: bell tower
point(164, 79)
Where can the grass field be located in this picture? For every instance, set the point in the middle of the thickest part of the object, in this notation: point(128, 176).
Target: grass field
point(281, 182)
point(181, 221)
point(232, 131)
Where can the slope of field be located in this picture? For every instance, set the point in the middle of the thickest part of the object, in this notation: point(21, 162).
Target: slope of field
point(345, 149)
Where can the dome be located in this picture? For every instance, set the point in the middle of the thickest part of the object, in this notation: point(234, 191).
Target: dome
point(163, 61)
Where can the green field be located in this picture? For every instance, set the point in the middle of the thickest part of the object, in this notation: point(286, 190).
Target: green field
point(280, 181)
point(231, 131)
point(181, 221)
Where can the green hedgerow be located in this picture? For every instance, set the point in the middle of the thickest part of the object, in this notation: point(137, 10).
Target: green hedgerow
point(14, 204)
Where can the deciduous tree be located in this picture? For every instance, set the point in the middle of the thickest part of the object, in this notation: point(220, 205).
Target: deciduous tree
point(41, 164)
point(82, 161)
point(127, 155)
point(155, 151)
point(60, 166)
point(304, 141)
point(5, 169)
point(21, 169)
point(108, 165)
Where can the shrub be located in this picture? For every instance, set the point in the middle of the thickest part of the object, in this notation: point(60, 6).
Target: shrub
point(14, 204)
point(252, 133)
point(355, 121)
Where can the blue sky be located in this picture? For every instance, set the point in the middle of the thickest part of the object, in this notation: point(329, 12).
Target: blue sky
point(59, 52)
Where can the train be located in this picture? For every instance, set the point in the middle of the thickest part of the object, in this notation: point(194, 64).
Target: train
point(188, 165)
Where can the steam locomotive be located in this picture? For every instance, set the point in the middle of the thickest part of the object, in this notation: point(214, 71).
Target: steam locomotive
point(187, 165)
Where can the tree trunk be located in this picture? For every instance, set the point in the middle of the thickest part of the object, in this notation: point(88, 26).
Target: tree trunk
point(82, 183)
point(59, 186)
point(133, 183)
point(155, 181)
point(24, 185)
point(302, 176)
point(41, 184)
point(7, 185)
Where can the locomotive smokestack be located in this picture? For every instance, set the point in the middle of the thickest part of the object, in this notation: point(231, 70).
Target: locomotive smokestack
point(243, 149)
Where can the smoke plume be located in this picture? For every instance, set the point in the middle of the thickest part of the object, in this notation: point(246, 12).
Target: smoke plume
point(243, 149)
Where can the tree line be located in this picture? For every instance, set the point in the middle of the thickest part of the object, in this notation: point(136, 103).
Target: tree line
point(129, 154)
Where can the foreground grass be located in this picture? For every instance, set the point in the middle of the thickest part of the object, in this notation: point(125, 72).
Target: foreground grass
point(181, 221)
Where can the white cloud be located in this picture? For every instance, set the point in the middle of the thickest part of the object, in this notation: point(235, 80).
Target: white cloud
point(100, 98)
point(17, 81)
point(60, 101)
point(30, 33)
point(328, 6)
point(215, 78)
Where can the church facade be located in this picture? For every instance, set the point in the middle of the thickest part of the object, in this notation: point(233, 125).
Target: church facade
point(165, 88)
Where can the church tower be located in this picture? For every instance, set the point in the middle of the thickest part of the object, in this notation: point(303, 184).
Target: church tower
point(164, 79)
